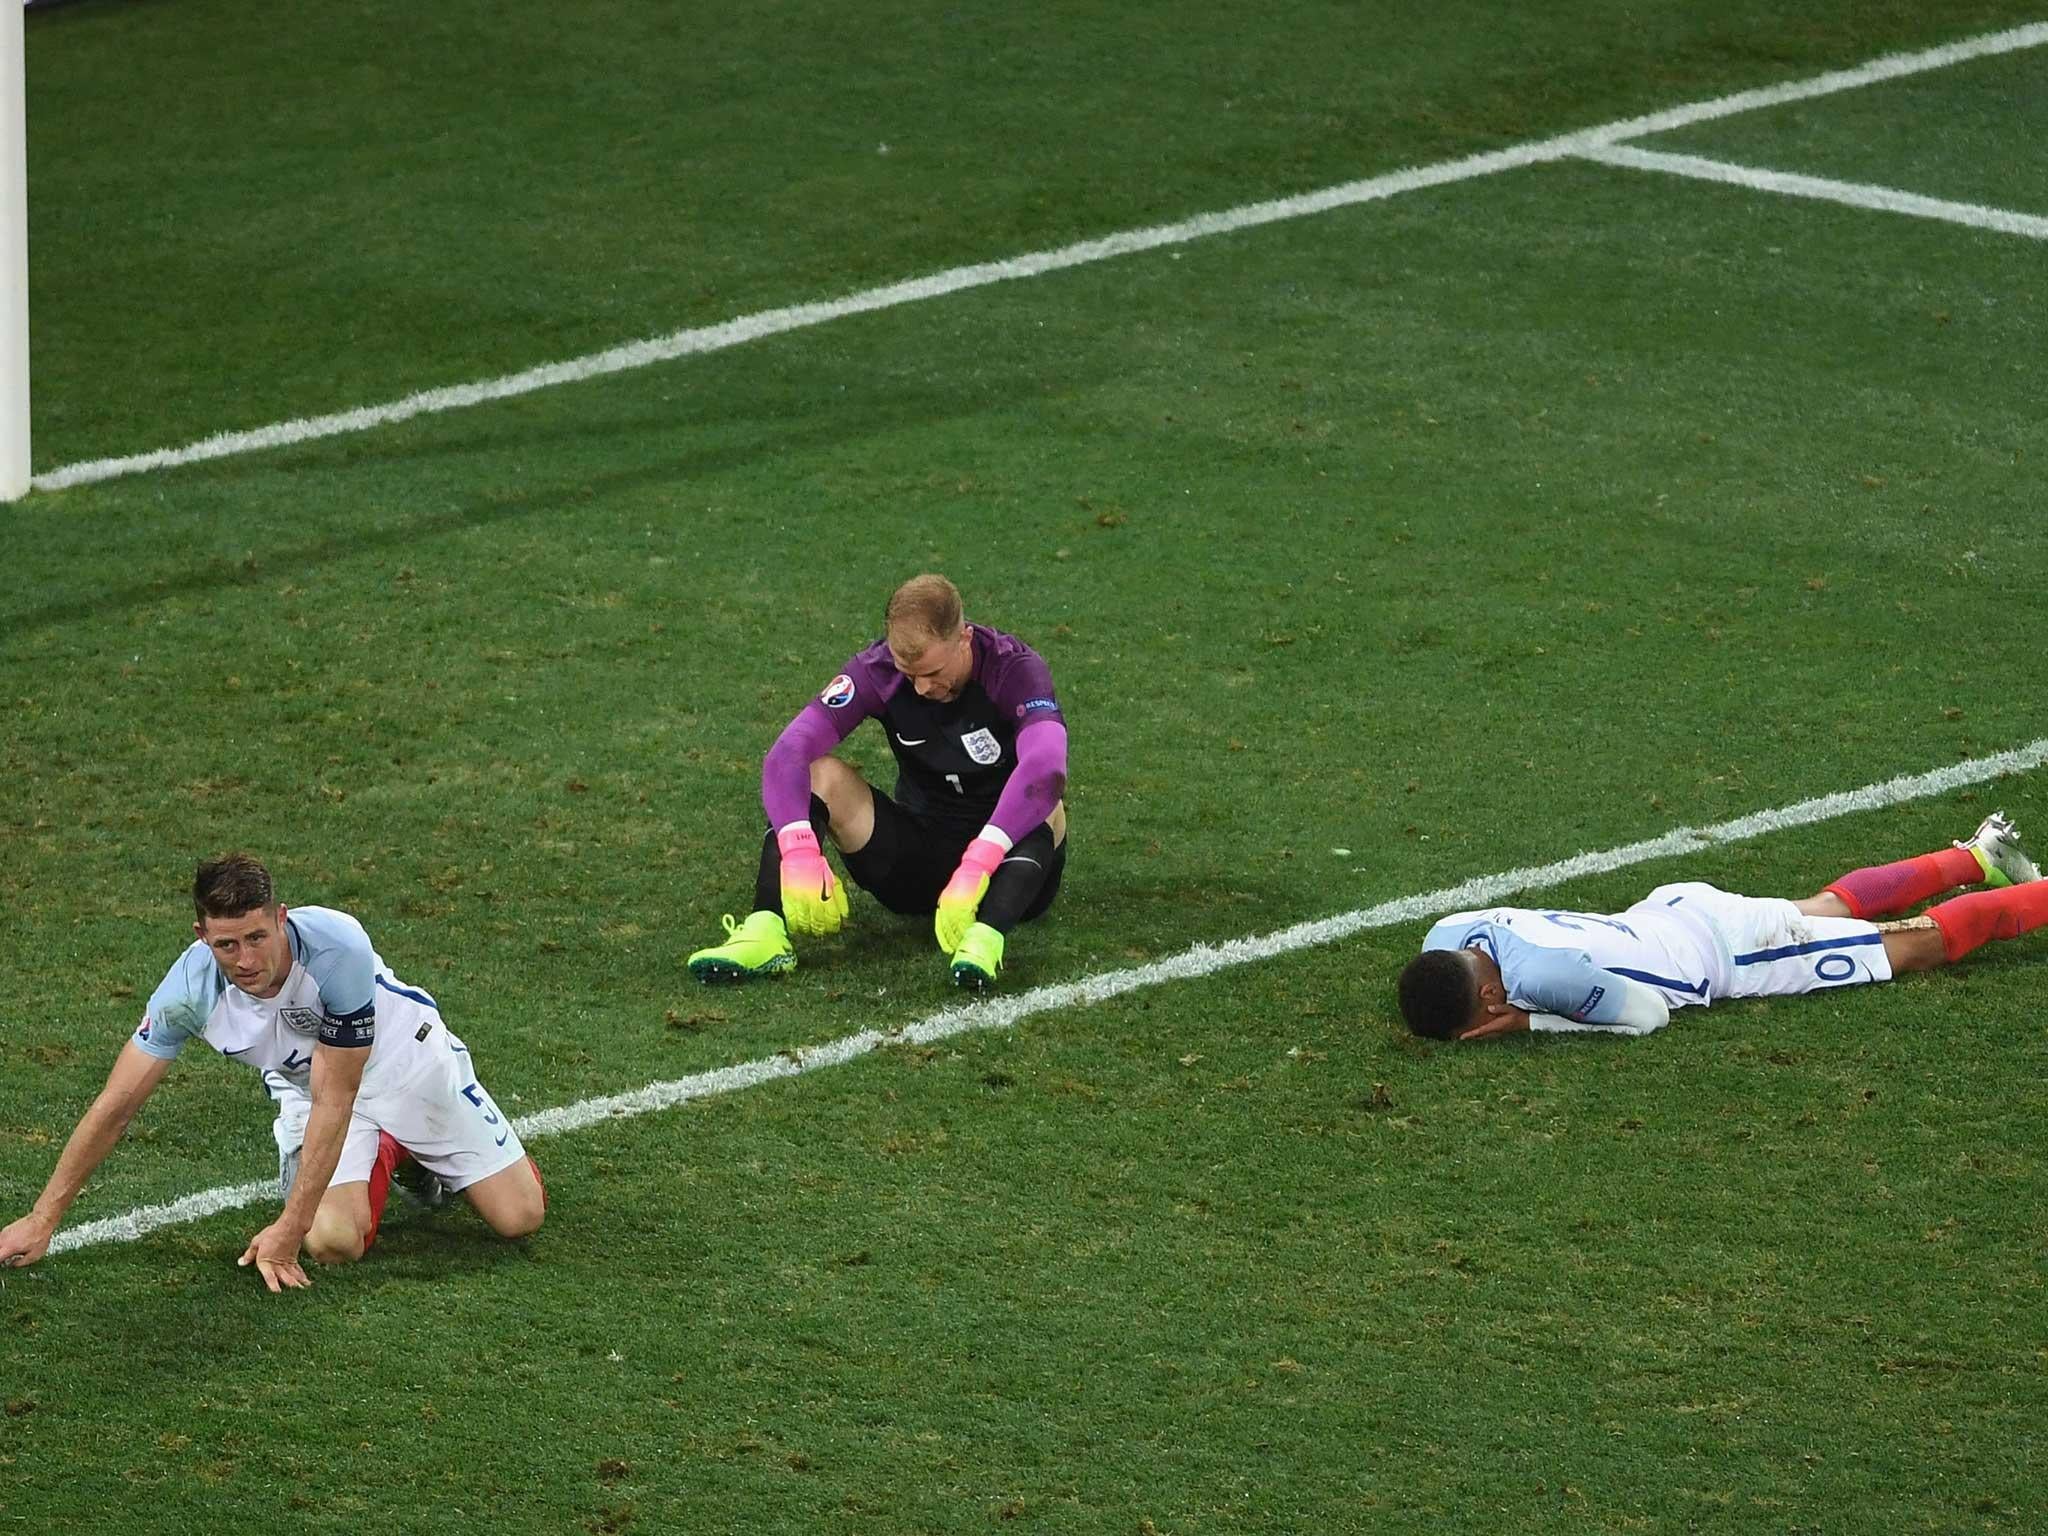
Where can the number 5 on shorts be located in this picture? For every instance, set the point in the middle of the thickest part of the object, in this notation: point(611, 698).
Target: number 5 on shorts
point(475, 1094)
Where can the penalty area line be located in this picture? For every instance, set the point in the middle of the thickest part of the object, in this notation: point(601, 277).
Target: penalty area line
point(1850, 194)
point(1189, 965)
point(775, 322)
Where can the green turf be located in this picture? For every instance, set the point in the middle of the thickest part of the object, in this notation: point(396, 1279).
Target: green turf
point(254, 221)
point(1371, 552)
point(1945, 137)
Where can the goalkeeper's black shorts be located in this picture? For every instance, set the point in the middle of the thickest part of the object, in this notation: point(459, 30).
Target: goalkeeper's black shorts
point(910, 857)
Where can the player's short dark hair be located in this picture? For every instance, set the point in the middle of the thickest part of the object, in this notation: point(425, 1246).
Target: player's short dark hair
point(1438, 991)
point(230, 885)
point(927, 604)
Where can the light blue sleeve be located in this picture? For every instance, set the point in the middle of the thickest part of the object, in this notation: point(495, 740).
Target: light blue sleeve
point(1565, 982)
point(1461, 930)
point(336, 953)
point(178, 1007)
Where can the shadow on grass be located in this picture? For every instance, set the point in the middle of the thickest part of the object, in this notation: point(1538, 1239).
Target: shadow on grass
point(844, 419)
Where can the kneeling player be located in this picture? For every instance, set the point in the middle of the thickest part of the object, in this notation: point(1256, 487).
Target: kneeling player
point(365, 1071)
point(976, 831)
point(1508, 969)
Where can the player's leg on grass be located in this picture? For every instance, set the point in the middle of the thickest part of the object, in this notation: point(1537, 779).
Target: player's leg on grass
point(1989, 856)
point(1022, 888)
point(1884, 889)
point(768, 871)
point(847, 801)
point(842, 808)
point(810, 897)
point(1945, 933)
point(1027, 880)
point(1914, 944)
point(346, 1220)
point(758, 945)
point(513, 1201)
point(344, 1226)
point(446, 1121)
point(1965, 922)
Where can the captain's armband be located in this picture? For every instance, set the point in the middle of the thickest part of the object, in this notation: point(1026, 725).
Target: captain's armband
point(358, 1031)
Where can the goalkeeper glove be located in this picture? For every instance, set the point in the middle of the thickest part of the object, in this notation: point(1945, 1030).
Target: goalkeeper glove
point(813, 903)
point(961, 898)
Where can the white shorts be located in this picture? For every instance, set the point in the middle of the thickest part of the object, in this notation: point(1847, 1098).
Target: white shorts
point(440, 1114)
point(1767, 947)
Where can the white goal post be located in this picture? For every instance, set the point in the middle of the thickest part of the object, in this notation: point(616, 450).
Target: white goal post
point(13, 258)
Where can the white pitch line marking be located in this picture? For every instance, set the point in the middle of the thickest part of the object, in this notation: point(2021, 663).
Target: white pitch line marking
point(1892, 66)
point(774, 322)
point(1853, 194)
point(1189, 965)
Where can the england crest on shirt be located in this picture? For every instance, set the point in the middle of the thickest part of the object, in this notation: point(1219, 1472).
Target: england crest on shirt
point(982, 746)
point(302, 1020)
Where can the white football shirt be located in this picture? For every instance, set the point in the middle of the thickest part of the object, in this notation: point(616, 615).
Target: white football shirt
point(337, 990)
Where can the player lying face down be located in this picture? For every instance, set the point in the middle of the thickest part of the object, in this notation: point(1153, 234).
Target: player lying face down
point(1507, 970)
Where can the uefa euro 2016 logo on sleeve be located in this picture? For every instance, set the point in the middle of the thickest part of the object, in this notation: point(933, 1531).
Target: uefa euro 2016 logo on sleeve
point(838, 693)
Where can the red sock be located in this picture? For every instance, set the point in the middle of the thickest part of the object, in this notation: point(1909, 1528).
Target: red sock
point(1886, 888)
point(1982, 916)
point(389, 1155)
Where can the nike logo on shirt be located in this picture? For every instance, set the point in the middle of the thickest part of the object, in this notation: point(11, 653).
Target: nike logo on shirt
point(908, 742)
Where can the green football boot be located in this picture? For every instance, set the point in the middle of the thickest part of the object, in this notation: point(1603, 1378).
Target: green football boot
point(978, 958)
point(757, 947)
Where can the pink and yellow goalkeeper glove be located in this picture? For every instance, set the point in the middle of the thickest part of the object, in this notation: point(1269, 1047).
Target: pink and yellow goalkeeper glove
point(961, 898)
point(813, 903)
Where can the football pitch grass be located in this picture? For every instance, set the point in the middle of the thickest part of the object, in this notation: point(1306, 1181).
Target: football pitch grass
point(1372, 551)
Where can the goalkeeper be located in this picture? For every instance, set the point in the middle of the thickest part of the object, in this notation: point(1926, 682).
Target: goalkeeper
point(975, 833)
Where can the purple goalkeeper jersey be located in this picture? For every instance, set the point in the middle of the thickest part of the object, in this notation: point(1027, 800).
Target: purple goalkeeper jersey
point(952, 758)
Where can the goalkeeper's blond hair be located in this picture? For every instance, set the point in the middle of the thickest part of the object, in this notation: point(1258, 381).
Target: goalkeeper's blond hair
point(923, 610)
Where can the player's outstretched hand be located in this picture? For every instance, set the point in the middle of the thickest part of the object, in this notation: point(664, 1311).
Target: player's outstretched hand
point(961, 898)
point(1501, 1019)
point(813, 902)
point(23, 1242)
point(275, 1253)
